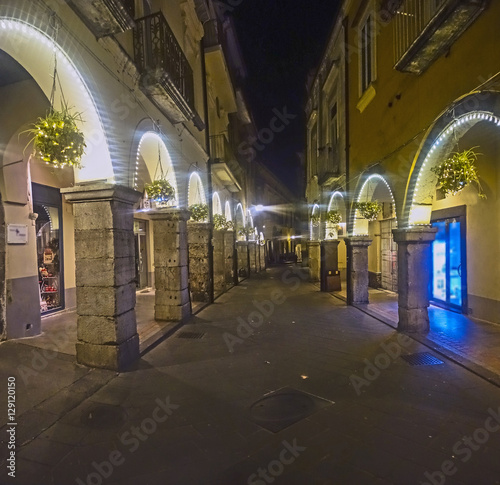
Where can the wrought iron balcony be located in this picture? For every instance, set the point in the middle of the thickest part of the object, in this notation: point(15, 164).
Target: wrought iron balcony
point(425, 29)
point(224, 163)
point(105, 17)
point(329, 161)
point(166, 76)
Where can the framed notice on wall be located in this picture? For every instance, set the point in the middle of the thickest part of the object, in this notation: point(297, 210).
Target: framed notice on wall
point(17, 234)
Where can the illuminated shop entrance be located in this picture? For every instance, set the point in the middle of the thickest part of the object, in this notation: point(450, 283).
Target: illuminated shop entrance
point(449, 281)
point(141, 258)
point(47, 206)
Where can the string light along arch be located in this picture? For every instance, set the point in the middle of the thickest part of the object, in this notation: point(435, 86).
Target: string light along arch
point(365, 195)
point(196, 192)
point(421, 197)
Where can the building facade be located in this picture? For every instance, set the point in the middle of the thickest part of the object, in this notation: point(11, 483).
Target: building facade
point(420, 100)
point(149, 86)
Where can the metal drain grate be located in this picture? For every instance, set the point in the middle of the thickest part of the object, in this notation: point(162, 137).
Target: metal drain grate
point(190, 335)
point(422, 358)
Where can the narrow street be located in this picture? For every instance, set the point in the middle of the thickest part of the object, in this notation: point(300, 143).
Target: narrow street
point(346, 408)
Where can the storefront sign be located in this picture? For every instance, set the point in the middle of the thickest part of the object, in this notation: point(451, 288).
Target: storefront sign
point(17, 234)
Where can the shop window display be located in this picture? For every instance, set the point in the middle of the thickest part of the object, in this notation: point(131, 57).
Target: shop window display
point(48, 257)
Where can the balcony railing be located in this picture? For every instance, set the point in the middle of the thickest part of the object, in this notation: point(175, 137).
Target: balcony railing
point(220, 149)
point(161, 62)
point(425, 29)
point(105, 17)
point(225, 165)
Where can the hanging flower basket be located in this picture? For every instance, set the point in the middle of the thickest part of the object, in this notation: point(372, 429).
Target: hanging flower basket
point(368, 210)
point(315, 219)
point(246, 231)
point(199, 212)
point(458, 171)
point(221, 223)
point(57, 140)
point(161, 191)
point(334, 217)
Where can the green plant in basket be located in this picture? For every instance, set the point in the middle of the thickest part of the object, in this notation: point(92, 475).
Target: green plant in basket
point(458, 171)
point(199, 212)
point(334, 217)
point(221, 223)
point(315, 219)
point(57, 140)
point(160, 190)
point(369, 210)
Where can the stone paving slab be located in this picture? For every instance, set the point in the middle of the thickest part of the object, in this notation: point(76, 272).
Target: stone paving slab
point(184, 408)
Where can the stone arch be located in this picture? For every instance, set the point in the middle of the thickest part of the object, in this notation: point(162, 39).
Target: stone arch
point(239, 216)
point(34, 50)
point(196, 192)
point(227, 211)
point(152, 158)
point(314, 230)
point(374, 188)
point(216, 204)
point(438, 142)
point(336, 203)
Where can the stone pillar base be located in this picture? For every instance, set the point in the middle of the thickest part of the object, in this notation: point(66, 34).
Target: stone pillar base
point(219, 263)
point(113, 357)
point(229, 258)
point(172, 301)
point(243, 265)
point(413, 277)
point(105, 274)
point(199, 275)
point(253, 253)
point(314, 252)
point(357, 261)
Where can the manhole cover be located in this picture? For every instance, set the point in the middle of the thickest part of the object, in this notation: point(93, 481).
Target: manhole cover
point(190, 335)
point(104, 416)
point(421, 358)
point(282, 408)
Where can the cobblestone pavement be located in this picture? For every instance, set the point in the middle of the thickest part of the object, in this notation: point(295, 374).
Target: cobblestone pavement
point(202, 407)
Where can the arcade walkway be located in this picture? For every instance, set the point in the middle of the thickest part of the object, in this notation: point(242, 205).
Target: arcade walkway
point(274, 383)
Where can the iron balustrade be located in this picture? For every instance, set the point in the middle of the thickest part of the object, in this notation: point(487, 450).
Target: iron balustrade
point(220, 149)
point(159, 55)
point(411, 19)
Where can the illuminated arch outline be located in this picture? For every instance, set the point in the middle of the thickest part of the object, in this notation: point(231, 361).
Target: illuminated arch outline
point(365, 195)
point(148, 150)
point(96, 162)
point(313, 229)
point(216, 204)
point(419, 211)
point(227, 211)
point(196, 192)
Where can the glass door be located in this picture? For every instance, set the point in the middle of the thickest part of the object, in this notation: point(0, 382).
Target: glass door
point(448, 287)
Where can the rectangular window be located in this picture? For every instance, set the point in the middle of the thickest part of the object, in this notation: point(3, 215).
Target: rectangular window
point(367, 55)
point(334, 130)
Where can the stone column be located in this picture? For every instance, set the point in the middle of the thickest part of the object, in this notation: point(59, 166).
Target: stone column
point(414, 257)
point(242, 250)
point(199, 277)
point(219, 263)
point(105, 274)
point(171, 264)
point(229, 258)
point(253, 253)
point(314, 252)
point(330, 279)
point(357, 269)
point(262, 251)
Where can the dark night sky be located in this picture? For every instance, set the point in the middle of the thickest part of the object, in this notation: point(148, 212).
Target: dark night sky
point(282, 41)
